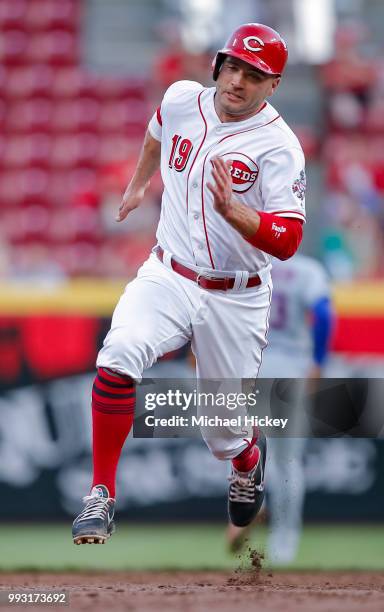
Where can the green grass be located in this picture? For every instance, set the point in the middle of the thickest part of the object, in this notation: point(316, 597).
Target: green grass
point(193, 547)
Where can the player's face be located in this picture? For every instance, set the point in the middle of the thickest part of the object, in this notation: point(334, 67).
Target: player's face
point(241, 89)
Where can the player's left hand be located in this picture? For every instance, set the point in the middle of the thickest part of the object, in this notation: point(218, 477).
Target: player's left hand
point(222, 188)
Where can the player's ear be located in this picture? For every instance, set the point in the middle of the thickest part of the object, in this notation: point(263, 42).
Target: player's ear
point(274, 84)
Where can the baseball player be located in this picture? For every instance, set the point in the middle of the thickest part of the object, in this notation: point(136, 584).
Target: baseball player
point(234, 190)
point(299, 334)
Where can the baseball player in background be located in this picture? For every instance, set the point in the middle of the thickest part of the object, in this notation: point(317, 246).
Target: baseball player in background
point(234, 187)
point(299, 334)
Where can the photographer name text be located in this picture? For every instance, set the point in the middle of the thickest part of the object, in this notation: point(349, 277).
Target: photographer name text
point(214, 421)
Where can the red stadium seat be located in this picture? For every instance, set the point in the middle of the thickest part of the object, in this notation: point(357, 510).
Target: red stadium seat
point(15, 153)
point(14, 48)
point(76, 115)
point(114, 149)
point(34, 222)
point(135, 117)
point(130, 116)
point(11, 224)
point(82, 180)
point(65, 14)
point(4, 75)
point(55, 47)
point(112, 117)
point(3, 114)
point(87, 149)
point(75, 151)
point(34, 185)
point(110, 88)
point(11, 190)
point(28, 82)
point(39, 149)
point(12, 14)
point(60, 229)
point(134, 89)
point(58, 186)
point(63, 120)
point(66, 83)
point(63, 153)
point(24, 185)
point(85, 222)
point(24, 151)
point(71, 82)
point(65, 184)
point(51, 14)
point(30, 116)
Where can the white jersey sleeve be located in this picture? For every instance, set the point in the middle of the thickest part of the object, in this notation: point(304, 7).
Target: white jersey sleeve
point(155, 126)
point(174, 93)
point(283, 183)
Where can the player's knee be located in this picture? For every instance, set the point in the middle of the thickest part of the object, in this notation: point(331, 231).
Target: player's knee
point(127, 353)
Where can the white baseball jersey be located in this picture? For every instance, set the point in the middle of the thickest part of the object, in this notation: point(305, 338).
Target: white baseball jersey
point(297, 285)
point(267, 173)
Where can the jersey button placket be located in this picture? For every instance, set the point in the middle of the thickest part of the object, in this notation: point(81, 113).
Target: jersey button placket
point(194, 215)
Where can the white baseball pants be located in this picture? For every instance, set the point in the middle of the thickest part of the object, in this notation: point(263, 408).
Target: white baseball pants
point(161, 310)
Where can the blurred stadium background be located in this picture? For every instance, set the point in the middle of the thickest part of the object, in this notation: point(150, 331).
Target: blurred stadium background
point(79, 81)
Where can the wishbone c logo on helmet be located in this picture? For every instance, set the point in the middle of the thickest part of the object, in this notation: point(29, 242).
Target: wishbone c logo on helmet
point(256, 44)
point(249, 43)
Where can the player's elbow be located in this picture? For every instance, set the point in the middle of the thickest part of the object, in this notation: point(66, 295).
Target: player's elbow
point(285, 256)
point(289, 250)
point(292, 241)
point(278, 236)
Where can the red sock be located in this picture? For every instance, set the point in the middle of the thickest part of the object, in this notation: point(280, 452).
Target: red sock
point(248, 458)
point(113, 405)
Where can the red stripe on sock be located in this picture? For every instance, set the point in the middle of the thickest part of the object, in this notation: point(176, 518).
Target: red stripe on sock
point(111, 400)
point(112, 410)
point(118, 379)
point(116, 385)
point(108, 388)
point(112, 419)
point(108, 395)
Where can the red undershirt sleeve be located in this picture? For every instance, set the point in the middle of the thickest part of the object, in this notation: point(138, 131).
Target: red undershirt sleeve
point(277, 236)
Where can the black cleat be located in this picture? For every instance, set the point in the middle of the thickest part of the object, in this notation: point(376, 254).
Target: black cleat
point(95, 525)
point(246, 489)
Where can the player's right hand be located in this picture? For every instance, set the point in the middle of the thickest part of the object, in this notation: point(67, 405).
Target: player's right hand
point(132, 198)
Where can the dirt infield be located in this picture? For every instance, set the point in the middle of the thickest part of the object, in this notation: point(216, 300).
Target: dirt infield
point(203, 591)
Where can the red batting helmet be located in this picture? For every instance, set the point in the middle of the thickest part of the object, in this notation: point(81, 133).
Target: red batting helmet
point(256, 44)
